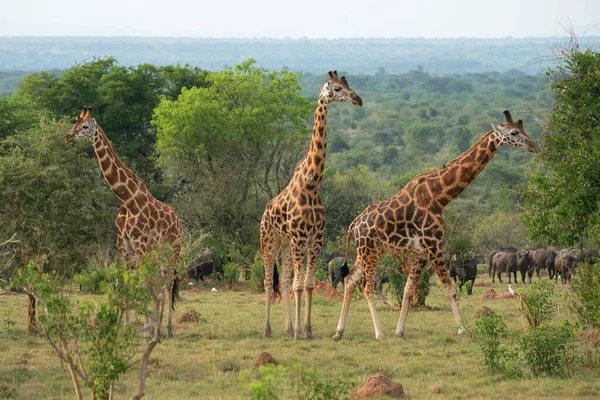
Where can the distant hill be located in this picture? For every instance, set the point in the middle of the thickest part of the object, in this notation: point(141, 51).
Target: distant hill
point(440, 56)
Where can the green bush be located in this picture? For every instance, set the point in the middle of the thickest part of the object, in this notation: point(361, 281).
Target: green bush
point(487, 332)
point(550, 349)
point(231, 271)
point(294, 382)
point(257, 273)
point(321, 272)
point(537, 304)
point(585, 295)
point(90, 281)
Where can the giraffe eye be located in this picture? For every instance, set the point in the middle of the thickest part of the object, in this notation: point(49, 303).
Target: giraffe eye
point(514, 133)
point(337, 89)
point(86, 126)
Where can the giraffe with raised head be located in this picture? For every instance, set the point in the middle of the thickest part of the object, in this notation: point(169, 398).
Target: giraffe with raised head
point(294, 221)
point(410, 224)
point(143, 222)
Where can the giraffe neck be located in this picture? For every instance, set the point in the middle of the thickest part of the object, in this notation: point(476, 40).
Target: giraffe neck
point(460, 172)
point(121, 180)
point(309, 171)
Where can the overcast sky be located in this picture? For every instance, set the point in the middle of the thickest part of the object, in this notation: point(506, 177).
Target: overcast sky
point(296, 19)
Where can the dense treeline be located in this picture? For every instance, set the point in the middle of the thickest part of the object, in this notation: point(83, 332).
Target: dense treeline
point(218, 145)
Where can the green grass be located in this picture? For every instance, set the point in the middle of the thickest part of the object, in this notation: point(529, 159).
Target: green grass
point(205, 359)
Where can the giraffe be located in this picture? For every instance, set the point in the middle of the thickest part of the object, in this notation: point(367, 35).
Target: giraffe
point(143, 222)
point(294, 221)
point(410, 224)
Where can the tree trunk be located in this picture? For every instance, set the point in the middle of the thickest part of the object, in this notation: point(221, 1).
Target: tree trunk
point(31, 319)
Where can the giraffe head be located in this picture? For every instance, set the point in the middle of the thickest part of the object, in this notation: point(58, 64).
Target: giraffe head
point(337, 89)
point(511, 133)
point(85, 126)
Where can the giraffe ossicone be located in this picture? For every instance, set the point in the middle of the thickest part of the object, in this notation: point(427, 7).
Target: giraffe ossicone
point(294, 221)
point(410, 224)
point(143, 223)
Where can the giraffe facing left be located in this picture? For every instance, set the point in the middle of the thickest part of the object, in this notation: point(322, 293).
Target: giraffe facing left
point(143, 222)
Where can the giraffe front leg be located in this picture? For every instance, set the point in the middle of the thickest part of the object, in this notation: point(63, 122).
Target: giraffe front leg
point(416, 267)
point(309, 282)
point(286, 280)
point(298, 261)
point(350, 283)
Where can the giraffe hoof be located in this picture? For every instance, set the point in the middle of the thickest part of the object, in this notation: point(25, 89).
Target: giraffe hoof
point(381, 336)
point(401, 335)
point(338, 336)
point(267, 333)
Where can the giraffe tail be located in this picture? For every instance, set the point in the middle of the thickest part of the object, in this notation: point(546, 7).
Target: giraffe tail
point(275, 280)
point(174, 292)
point(344, 268)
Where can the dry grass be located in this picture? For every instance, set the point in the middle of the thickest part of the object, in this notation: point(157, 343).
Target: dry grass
point(205, 358)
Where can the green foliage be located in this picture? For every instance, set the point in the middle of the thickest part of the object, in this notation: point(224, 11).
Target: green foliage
point(52, 197)
point(499, 229)
point(488, 332)
point(550, 349)
point(90, 280)
point(294, 382)
point(395, 276)
point(123, 99)
point(537, 304)
point(89, 336)
point(257, 273)
point(231, 272)
point(585, 294)
point(227, 148)
point(7, 322)
point(347, 194)
point(563, 197)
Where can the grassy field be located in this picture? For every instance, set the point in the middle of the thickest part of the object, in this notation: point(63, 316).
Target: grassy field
point(205, 359)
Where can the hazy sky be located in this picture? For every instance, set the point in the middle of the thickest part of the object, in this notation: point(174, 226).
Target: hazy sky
point(310, 18)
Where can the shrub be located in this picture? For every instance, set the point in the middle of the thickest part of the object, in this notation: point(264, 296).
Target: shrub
point(74, 329)
point(550, 349)
point(90, 281)
point(488, 331)
point(396, 278)
point(257, 273)
point(295, 382)
point(585, 295)
point(231, 271)
point(537, 305)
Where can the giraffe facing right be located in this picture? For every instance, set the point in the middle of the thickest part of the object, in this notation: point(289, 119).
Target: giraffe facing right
point(410, 224)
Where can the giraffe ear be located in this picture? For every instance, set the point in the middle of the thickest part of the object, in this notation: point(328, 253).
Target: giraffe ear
point(498, 129)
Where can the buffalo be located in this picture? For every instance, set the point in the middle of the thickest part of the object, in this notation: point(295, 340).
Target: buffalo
point(524, 265)
point(465, 272)
point(504, 261)
point(564, 264)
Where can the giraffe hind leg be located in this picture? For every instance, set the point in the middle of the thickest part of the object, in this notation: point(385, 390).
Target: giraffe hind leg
point(370, 273)
point(416, 267)
point(268, 244)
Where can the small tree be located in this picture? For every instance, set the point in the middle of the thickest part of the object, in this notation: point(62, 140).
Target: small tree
point(90, 337)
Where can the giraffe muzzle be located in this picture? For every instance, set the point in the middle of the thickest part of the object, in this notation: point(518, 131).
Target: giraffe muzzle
point(357, 100)
point(69, 138)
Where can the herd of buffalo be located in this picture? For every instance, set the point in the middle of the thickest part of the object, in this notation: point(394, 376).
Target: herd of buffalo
point(558, 262)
